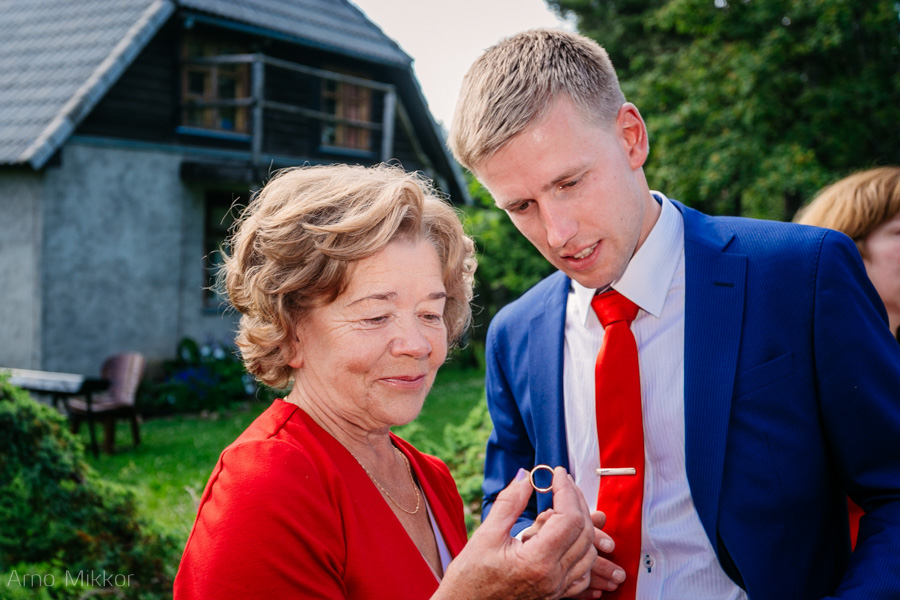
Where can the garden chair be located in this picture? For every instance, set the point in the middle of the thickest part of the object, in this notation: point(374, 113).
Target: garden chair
point(124, 373)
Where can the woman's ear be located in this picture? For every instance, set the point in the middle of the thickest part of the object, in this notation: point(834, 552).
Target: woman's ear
point(292, 350)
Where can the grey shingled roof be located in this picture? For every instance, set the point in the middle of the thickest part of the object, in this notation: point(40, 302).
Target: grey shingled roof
point(59, 57)
point(332, 24)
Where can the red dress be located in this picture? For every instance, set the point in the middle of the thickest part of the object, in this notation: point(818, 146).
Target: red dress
point(289, 513)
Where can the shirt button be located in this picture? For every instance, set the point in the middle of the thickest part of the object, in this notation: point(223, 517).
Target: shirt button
point(648, 562)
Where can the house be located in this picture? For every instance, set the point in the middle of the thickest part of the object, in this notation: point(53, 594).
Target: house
point(129, 128)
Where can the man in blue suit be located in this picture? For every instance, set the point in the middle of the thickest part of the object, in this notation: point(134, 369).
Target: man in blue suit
point(770, 382)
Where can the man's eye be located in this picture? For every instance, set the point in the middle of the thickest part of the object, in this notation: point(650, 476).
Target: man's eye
point(376, 320)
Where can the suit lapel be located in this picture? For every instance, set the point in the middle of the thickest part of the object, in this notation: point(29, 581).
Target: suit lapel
point(714, 304)
point(545, 361)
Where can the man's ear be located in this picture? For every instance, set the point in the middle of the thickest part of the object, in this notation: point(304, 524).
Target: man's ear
point(291, 350)
point(633, 133)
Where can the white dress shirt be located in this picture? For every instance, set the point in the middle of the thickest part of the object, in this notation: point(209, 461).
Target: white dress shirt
point(677, 558)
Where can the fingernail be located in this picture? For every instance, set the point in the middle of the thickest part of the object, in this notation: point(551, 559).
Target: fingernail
point(618, 575)
point(607, 545)
point(522, 474)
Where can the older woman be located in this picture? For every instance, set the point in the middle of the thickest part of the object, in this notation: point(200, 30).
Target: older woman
point(866, 207)
point(352, 282)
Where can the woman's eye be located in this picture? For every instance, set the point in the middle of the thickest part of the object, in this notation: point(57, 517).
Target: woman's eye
point(432, 317)
point(569, 184)
point(376, 320)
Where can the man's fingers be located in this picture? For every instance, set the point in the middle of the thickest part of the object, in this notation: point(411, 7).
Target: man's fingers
point(581, 572)
point(534, 528)
point(606, 575)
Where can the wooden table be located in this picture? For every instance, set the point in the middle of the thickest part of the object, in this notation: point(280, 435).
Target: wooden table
point(60, 386)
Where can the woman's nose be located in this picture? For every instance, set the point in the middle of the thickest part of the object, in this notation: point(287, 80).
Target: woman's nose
point(411, 339)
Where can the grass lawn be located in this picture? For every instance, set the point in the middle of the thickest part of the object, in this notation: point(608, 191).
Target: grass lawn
point(169, 470)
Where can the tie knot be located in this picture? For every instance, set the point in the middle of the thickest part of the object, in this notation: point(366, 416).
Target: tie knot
point(612, 307)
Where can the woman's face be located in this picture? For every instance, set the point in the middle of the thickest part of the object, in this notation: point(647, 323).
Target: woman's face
point(369, 358)
point(882, 260)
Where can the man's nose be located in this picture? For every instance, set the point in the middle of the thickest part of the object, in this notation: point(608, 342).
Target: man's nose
point(559, 225)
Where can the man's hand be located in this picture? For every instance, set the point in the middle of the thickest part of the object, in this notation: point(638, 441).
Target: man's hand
point(605, 574)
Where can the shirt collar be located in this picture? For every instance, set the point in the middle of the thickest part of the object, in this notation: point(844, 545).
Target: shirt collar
point(654, 263)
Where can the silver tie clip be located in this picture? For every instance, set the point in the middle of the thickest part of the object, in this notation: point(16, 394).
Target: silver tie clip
point(618, 471)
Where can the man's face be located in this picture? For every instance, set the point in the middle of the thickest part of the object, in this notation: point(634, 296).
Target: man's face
point(577, 191)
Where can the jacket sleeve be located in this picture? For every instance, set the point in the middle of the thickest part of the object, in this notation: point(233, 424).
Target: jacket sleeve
point(858, 373)
point(509, 447)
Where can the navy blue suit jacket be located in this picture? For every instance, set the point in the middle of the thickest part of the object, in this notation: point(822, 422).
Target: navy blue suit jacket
point(792, 400)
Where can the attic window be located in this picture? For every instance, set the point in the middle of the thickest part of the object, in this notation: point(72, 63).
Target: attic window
point(351, 105)
point(212, 86)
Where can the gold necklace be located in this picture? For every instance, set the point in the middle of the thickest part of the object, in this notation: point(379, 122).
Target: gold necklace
point(386, 493)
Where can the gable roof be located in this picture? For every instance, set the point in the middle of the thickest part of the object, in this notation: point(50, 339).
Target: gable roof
point(58, 58)
point(335, 25)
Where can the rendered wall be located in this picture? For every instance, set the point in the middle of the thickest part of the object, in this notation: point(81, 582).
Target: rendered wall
point(20, 244)
point(117, 251)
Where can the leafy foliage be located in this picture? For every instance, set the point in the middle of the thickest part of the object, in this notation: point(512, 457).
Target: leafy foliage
point(463, 450)
point(753, 105)
point(200, 378)
point(462, 446)
point(507, 262)
point(58, 515)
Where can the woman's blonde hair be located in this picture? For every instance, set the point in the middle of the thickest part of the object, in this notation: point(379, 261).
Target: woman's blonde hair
point(856, 205)
point(294, 243)
point(515, 82)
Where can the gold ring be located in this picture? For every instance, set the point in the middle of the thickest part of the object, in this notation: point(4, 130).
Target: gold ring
point(531, 478)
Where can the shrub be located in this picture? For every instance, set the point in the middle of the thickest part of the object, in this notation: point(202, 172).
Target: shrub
point(200, 378)
point(59, 518)
point(462, 447)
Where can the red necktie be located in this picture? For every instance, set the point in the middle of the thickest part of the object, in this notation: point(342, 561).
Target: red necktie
point(621, 433)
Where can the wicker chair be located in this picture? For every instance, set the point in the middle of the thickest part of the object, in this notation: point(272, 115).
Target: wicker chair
point(124, 372)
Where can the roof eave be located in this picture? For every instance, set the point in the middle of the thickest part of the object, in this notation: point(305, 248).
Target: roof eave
point(96, 86)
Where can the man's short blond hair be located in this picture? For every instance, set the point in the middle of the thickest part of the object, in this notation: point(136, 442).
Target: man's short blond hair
point(515, 82)
point(856, 205)
point(294, 246)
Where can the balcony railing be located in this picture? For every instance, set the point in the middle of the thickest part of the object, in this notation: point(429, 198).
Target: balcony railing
point(258, 105)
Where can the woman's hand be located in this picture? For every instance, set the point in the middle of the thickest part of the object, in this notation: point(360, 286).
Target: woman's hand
point(554, 561)
point(605, 575)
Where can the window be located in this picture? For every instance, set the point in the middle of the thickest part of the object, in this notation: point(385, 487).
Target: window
point(219, 218)
point(346, 101)
point(204, 85)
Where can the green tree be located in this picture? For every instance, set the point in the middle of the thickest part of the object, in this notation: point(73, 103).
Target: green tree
point(507, 262)
point(753, 105)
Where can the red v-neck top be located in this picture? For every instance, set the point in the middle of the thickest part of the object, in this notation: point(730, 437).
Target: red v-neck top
point(289, 513)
